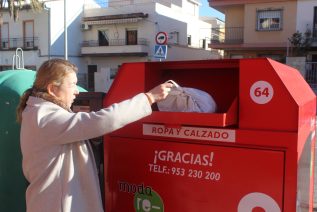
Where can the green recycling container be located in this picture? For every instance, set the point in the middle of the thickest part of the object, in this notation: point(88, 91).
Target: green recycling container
point(12, 182)
point(13, 185)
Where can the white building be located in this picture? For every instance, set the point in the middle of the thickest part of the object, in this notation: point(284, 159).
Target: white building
point(41, 35)
point(101, 37)
point(216, 23)
point(125, 32)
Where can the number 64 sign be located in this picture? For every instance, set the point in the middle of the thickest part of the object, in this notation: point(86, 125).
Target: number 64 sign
point(261, 92)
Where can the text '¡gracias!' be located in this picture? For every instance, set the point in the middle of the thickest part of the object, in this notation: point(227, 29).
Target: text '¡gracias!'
point(183, 158)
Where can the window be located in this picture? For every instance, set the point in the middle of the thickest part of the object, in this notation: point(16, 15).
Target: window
point(189, 40)
point(4, 36)
point(269, 20)
point(174, 37)
point(203, 44)
point(103, 38)
point(132, 37)
point(28, 34)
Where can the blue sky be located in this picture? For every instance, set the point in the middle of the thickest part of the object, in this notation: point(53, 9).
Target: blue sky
point(205, 10)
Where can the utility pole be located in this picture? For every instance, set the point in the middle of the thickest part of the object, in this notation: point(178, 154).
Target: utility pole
point(65, 32)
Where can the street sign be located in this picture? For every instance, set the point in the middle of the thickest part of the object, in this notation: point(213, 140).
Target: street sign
point(161, 38)
point(160, 51)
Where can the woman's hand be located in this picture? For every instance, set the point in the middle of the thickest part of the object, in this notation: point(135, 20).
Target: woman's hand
point(159, 93)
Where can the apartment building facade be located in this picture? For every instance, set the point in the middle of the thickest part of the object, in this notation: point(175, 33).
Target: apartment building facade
point(257, 28)
point(41, 35)
point(265, 28)
point(125, 31)
point(101, 35)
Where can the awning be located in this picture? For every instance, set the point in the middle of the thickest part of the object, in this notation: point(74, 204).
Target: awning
point(115, 19)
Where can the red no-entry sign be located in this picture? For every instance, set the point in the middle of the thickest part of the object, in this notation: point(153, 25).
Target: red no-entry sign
point(161, 38)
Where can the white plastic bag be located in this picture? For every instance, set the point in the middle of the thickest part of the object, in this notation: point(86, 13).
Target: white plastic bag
point(183, 99)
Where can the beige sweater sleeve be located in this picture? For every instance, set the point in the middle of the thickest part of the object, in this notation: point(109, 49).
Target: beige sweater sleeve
point(59, 125)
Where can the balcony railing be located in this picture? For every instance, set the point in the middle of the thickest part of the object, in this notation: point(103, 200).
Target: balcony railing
point(25, 43)
point(227, 35)
point(113, 42)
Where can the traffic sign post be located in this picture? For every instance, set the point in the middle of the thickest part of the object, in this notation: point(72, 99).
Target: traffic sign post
point(160, 51)
point(161, 38)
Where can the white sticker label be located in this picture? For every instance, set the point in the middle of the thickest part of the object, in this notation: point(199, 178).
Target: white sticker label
point(197, 133)
point(261, 92)
point(258, 200)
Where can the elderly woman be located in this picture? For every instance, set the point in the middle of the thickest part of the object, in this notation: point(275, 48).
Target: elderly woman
point(58, 162)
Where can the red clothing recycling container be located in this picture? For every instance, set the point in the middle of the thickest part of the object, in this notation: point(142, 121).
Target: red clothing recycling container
point(255, 153)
